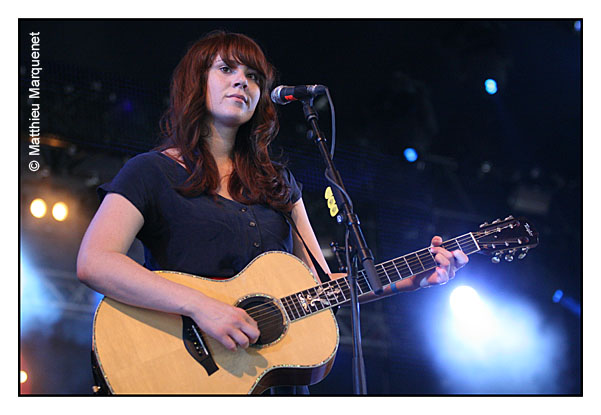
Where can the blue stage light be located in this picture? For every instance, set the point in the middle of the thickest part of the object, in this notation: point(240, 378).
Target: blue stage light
point(37, 309)
point(557, 296)
point(410, 154)
point(491, 86)
point(493, 345)
point(577, 25)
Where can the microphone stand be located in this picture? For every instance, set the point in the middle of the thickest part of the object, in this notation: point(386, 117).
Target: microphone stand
point(360, 252)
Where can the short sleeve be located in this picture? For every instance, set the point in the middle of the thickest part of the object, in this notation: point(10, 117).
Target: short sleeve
point(134, 182)
point(296, 188)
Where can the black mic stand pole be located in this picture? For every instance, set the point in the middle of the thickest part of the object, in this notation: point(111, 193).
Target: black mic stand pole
point(361, 251)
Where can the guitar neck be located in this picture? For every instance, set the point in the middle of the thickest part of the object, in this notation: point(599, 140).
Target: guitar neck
point(337, 292)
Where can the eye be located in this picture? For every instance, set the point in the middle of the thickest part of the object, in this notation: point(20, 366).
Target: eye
point(225, 69)
point(253, 76)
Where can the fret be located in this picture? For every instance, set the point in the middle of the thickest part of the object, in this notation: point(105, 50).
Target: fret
point(386, 274)
point(364, 280)
point(302, 310)
point(348, 286)
point(338, 296)
point(406, 263)
point(477, 247)
point(288, 309)
point(460, 247)
point(458, 243)
point(420, 261)
point(415, 265)
point(341, 291)
point(429, 261)
point(367, 288)
point(470, 244)
point(404, 271)
point(397, 270)
point(448, 245)
point(294, 309)
point(314, 300)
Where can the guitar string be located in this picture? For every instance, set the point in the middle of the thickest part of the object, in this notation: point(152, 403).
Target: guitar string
point(258, 313)
point(426, 255)
point(384, 278)
point(273, 317)
point(265, 309)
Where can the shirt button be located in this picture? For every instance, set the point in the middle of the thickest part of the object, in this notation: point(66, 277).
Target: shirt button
point(252, 224)
point(256, 244)
point(243, 210)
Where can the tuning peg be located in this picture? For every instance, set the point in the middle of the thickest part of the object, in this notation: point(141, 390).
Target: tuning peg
point(496, 221)
point(496, 259)
point(484, 224)
point(523, 254)
point(510, 217)
point(509, 257)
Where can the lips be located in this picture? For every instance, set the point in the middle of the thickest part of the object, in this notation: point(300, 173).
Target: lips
point(241, 97)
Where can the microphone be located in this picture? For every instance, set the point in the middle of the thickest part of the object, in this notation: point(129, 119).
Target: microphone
point(284, 94)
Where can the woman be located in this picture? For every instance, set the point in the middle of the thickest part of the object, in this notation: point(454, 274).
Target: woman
point(209, 199)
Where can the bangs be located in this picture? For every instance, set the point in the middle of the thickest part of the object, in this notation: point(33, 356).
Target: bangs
point(236, 50)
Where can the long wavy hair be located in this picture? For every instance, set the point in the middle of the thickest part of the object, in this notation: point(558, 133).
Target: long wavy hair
point(256, 178)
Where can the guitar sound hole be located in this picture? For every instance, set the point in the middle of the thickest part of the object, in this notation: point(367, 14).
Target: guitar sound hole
point(268, 316)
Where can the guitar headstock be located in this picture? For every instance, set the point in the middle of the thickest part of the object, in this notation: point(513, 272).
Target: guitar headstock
point(506, 238)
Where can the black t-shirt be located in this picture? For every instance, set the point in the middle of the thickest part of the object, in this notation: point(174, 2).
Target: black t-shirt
point(197, 235)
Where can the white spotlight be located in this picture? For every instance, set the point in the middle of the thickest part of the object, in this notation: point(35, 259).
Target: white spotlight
point(473, 319)
point(465, 301)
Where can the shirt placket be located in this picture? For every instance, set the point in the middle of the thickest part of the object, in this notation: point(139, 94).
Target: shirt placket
point(254, 231)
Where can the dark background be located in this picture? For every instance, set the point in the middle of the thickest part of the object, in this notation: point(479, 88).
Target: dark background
point(395, 84)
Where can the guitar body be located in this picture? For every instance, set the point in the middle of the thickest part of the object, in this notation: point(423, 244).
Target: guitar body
point(141, 351)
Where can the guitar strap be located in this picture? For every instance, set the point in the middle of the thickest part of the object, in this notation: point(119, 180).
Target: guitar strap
point(323, 276)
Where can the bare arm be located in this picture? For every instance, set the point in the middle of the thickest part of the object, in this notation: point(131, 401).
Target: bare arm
point(104, 267)
point(301, 220)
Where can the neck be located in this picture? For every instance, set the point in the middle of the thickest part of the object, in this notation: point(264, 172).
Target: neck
point(221, 142)
point(337, 291)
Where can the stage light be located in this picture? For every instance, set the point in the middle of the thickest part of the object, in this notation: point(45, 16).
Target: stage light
point(23, 376)
point(38, 311)
point(577, 25)
point(60, 211)
point(38, 208)
point(472, 317)
point(464, 300)
point(483, 344)
point(557, 296)
point(410, 154)
point(567, 302)
point(491, 86)
point(486, 167)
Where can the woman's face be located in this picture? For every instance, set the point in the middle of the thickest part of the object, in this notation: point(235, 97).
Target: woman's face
point(232, 93)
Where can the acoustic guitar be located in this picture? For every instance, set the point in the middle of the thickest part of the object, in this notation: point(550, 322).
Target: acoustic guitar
point(140, 351)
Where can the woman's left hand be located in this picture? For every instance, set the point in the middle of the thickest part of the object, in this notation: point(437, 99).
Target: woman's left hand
point(448, 264)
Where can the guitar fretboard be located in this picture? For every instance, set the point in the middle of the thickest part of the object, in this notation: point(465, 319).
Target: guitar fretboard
point(337, 292)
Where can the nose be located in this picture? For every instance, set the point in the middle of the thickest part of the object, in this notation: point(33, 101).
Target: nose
point(240, 81)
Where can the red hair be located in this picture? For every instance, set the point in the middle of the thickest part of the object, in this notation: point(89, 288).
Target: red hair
point(255, 178)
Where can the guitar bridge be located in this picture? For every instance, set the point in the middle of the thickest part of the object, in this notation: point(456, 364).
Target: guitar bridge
point(195, 345)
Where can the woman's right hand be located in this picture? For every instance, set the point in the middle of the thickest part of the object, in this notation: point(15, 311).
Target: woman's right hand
point(102, 264)
point(229, 325)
